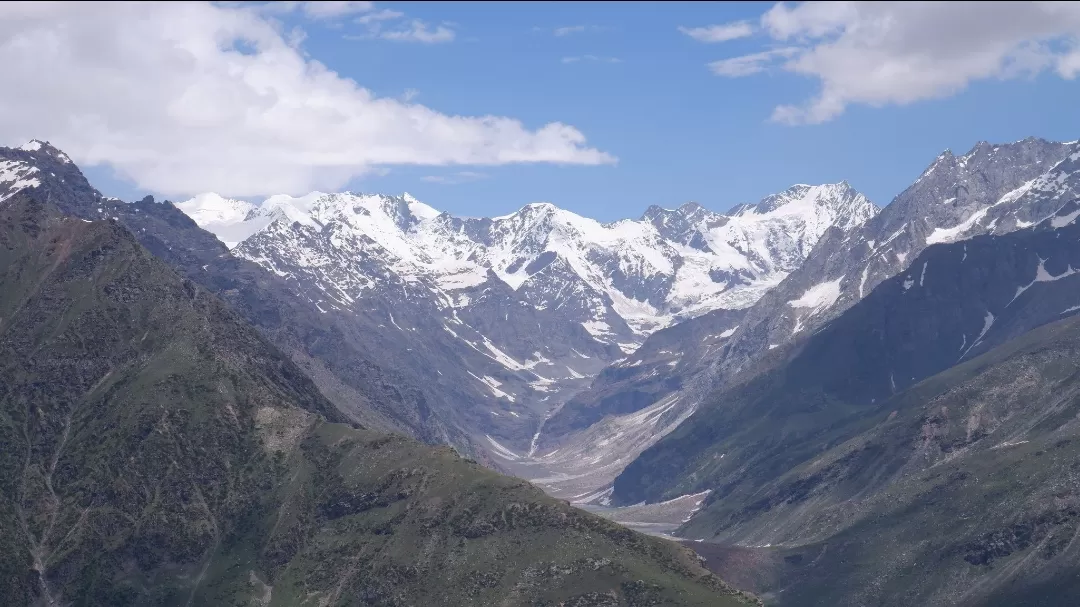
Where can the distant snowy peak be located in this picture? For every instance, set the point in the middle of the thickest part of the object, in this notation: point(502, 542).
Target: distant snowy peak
point(809, 209)
point(831, 204)
point(233, 221)
point(419, 209)
point(211, 208)
point(685, 225)
point(620, 280)
point(993, 188)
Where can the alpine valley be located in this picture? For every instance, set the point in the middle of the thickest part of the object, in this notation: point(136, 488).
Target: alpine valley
point(834, 403)
point(159, 451)
point(505, 318)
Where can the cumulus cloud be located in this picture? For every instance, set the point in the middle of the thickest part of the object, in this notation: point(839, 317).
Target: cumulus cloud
point(455, 178)
point(191, 97)
point(720, 33)
point(882, 53)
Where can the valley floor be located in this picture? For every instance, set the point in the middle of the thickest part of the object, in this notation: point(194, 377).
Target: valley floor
point(583, 468)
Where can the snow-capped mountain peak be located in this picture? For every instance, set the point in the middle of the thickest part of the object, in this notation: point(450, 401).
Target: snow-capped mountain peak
point(37, 145)
point(212, 208)
point(834, 203)
point(233, 221)
point(419, 209)
point(620, 280)
point(993, 188)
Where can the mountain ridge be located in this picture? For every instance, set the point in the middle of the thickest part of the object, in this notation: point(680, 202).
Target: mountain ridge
point(924, 429)
point(162, 451)
point(640, 287)
point(468, 289)
point(351, 364)
point(1030, 176)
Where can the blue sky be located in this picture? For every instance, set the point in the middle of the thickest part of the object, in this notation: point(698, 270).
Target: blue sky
point(639, 89)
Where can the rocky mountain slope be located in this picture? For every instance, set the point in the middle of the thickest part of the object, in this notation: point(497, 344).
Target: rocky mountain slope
point(512, 315)
point(973, 296)
point(960, 491)
point(991, 189)
point(395, 333)
point(630, 405)
point(846, 443)
point(620, 280)
point(158, 450)
point(367, 377)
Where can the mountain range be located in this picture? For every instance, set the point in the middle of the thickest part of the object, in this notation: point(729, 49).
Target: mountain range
point(620, 281)
point(158, 450)
point(839, 404)
point(511, 315)
point(992, 188)
point(925, 434)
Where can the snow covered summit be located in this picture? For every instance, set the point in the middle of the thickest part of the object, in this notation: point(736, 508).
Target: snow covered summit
point(620, 280)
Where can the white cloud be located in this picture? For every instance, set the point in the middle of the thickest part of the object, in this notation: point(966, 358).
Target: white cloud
point(312, 10)
point(568, 30)
point(746, 65)
point(719, 33)
point(391, 25)
point(593, 58)
point(383, 23)
point(418, 31)
point(379, 15)
point(455, 178)
point(895, 53)
point(193, 97)
point(326, 9)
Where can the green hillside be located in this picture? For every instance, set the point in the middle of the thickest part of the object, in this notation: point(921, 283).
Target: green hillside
point(155, 450)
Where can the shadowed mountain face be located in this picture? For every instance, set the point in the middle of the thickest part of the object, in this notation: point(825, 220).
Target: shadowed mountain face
point(916, 450)
point(159, 451)
point(993, 189)
point(369, 376)
point(961, 490)
point(955, 302)
point(652, 372)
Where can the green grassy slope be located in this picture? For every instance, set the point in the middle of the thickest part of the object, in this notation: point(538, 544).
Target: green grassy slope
point(155, 450)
